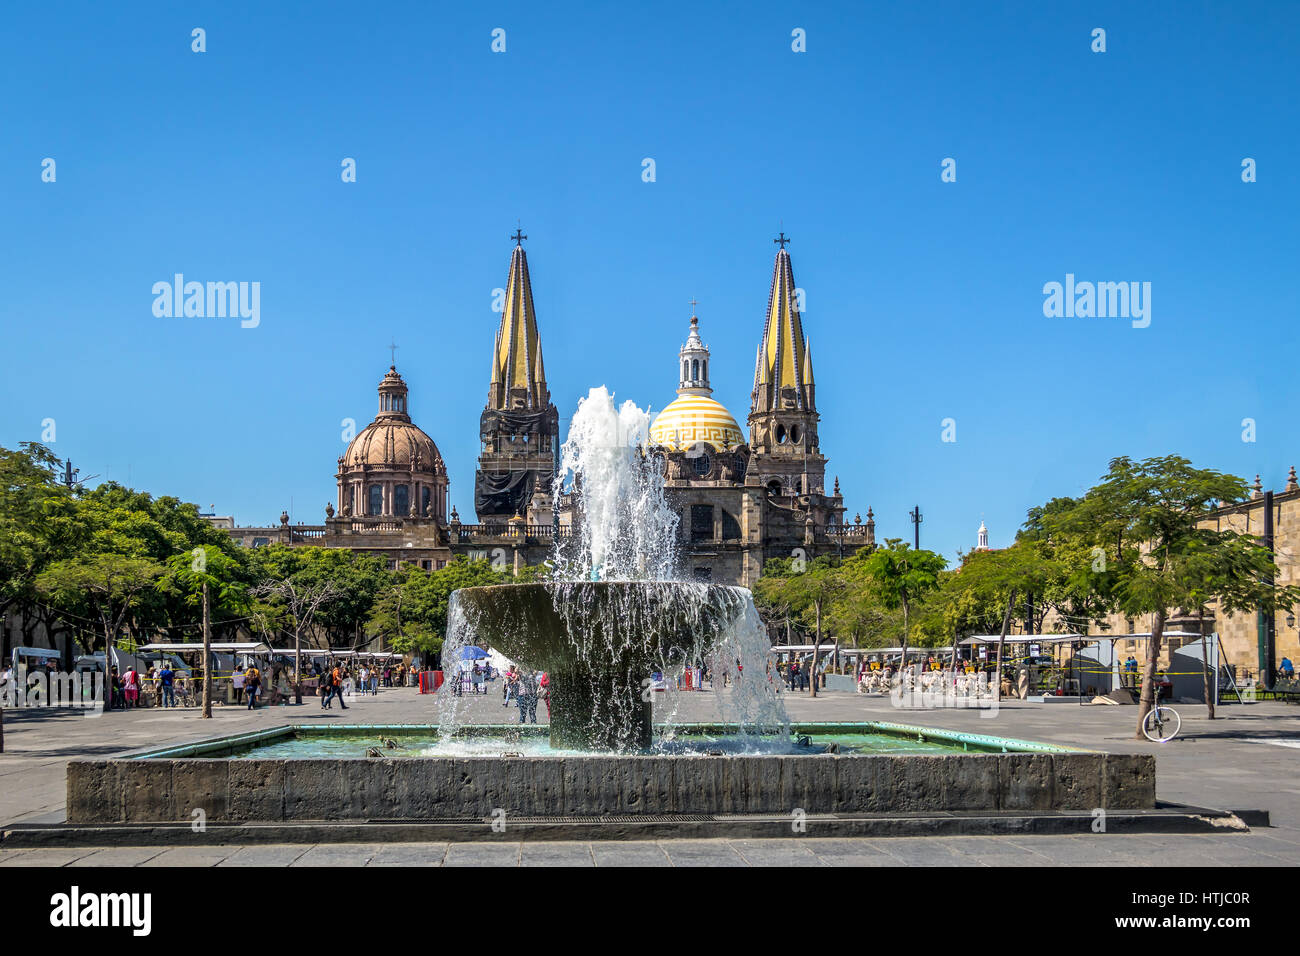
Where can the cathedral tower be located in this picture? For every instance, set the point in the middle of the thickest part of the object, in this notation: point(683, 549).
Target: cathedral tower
point(519, 427)
point(783, 406)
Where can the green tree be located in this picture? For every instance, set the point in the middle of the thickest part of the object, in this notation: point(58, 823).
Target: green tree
point(38, 526)
point(111, 585)
point(1156, 551)
point(412, 610)
point(210, 580)
point(899, 575)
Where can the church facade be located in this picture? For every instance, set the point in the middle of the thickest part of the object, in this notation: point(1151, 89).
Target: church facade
point(742, 499)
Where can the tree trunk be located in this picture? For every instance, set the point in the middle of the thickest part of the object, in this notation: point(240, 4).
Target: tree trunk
point(297, 665)
point(1148, 699)
point(108, 665)
point(817, 646)
point(902, 664)
point(1002, 637)
point(207, 655)
point(1211, 691)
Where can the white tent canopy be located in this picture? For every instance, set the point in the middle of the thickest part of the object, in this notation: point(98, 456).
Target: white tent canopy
point(1023, 639)
point(220, 647)
point(41, 653)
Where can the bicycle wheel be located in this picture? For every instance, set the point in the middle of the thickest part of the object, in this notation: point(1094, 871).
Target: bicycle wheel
point(1161, 724)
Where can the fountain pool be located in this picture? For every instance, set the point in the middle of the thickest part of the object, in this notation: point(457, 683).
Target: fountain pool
point(610, 616)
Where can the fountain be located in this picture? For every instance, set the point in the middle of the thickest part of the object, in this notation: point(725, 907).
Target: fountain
point(610, 616)
point(613, 615)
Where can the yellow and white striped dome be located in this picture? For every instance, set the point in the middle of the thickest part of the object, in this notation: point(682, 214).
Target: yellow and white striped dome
point(694, 419)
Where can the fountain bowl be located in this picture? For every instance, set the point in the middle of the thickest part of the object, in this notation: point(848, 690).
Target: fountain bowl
point(599, 642)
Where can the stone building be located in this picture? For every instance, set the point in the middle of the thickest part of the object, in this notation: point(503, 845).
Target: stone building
point(744, 502)
point(741, 502)
point(1243, 636)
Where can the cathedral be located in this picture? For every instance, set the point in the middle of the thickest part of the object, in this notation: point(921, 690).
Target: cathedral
point(740, 502)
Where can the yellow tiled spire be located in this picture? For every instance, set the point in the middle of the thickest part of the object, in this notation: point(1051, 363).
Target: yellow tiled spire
point(783, 358)
point(517, 358)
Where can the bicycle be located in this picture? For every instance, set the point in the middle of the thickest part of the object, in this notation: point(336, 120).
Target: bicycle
point(1161, 724)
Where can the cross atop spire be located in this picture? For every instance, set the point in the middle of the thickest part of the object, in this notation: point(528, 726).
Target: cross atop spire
point(392, 351)
point(693, 304)
point(519, 236)
point(781, 240)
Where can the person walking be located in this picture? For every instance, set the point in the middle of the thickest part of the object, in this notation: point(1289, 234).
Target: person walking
point(166, 680)
point(237, 683)
point(544, 684)
point(131, 687)
point(528, 690)
point(325, 682)
point(252, 683)
point(337, 676)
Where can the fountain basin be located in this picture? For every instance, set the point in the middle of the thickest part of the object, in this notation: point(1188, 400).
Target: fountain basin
point(226, 779)
point(599, 642)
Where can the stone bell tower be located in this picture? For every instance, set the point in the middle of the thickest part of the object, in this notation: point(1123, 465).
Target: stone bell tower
point(783, 415)
point(519, 428)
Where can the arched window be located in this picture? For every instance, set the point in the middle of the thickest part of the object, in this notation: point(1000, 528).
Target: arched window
point(401, 500)
point(375, 500)
point(695, 370)
point(424, 504)
point(686, 371)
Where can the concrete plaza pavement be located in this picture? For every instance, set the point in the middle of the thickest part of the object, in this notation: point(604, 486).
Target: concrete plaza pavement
point(1246, 759)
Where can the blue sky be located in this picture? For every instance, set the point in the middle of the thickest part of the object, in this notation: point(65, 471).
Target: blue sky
point(924, 298)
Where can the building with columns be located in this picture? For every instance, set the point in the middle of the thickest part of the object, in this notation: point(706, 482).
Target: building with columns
point(741, 501)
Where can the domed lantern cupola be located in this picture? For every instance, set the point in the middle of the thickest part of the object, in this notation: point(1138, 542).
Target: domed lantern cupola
point(693, 363)
point(695, 419)
point(392, 396)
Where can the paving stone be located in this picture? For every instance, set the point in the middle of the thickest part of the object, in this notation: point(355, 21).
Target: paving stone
point(1093, 849)
point(482, 854)
point(778, 852)
point(191, 856)
point(46, 857)
point(409, 854)
point(120, 856)
point(275, 854)
point(631, 853)
point(928, 851)
point(852, 851)
point(555, 854)
point(338, 854)
point(702, 853)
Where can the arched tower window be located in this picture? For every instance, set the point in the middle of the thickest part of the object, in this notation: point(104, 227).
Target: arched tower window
point(695, 370)
point(375, 500)
point(401, 500)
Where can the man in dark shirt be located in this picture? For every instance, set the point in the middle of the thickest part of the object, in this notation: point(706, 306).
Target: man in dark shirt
point(166, 678)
